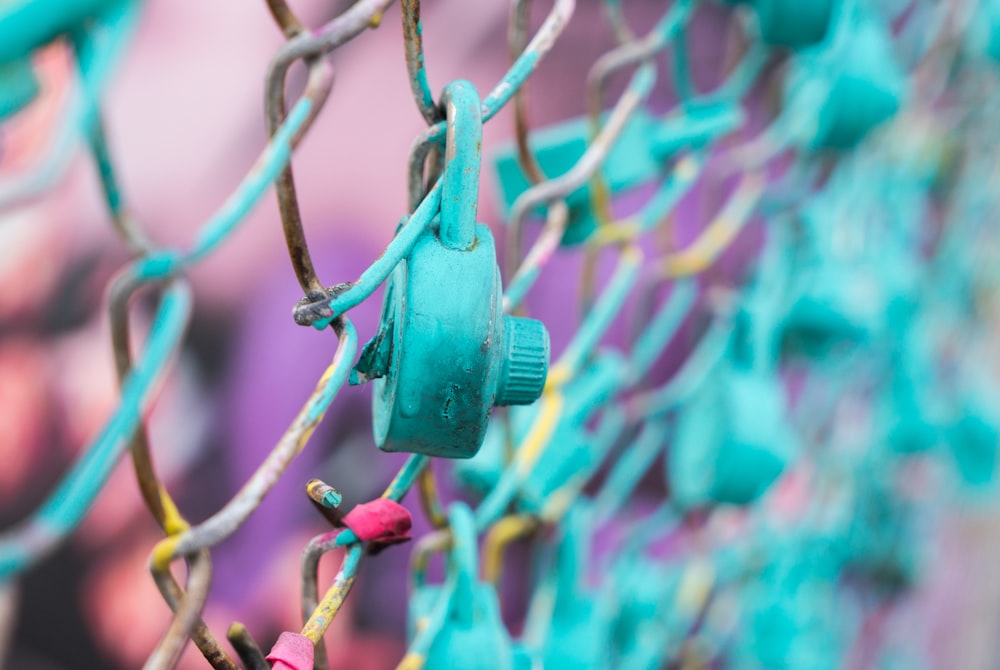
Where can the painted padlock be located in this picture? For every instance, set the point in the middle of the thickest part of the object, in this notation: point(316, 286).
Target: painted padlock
point(846, 291)
point(445, 353)
point(849, 87)
point(791, 23)
point(638, 156)
point(794, 23)
point(458, 624)
point(579, 622)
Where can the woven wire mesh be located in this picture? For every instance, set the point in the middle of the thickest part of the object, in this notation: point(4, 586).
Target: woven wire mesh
point(763, 254)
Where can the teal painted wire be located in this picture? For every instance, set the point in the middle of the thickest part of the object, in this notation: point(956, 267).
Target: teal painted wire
point(32, 540)
point(662, 329)
point(97, 60)
point(224, 522)
point(695, 371)
point(674, 187)
point(629, 469)
point(223, 223)
point(265, 170)
point(606, 308)
point(379, 271)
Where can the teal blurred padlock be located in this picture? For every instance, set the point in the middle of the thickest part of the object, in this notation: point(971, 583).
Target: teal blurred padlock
point(445, 353)
point(792, 620)
point(577, 622)
point(846, 290)
point(647, 627)
point(575, 449)
point(846, 87)
point(880, 542)
point(731, 441)
point(912, 411)
point(638, 156)
point(458, 624)
point(974, 440)
point(794, 23)
point(791, 23)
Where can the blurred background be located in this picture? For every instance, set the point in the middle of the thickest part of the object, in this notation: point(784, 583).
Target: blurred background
point(184, 118)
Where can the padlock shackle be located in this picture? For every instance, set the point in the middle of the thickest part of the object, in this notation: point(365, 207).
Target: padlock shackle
point(462, 158)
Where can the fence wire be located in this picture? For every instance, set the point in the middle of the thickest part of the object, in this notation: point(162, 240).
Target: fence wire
point(841, 341)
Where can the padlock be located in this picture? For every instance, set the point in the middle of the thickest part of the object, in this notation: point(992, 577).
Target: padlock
point(647, 626)
point(579, 628)
point(794, 23)
point(880, 541)
point(638, 156)
point(790, 613)
point(854, 80)
point(974, 440)
point(445, 353)
point(558, 148)
point(911, 410)
point(18, 86)
point(732, 439)
point(27, 26)
point(463, 615)
point(846, 291)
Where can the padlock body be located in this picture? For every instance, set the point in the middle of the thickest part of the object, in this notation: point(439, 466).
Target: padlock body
point(731, 442)
point(794, 23)
point(629, 163)
point(444, 307)
point(480, 644)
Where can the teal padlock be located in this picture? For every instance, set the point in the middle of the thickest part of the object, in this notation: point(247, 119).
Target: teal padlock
point(839, 304)
point(445, 353)
point(558, 148)
point(854, 79)
point(880, 542)
point(27, 25)
point(911, 411)
point(18, 86)
point(458, 624)
point(639, 155)
point(794, 23)
point(792, 618)
point(974, 441)
point(846, 291)
point(578, 629)
point(646, 627)
point(731, 441)
point(573, 448)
